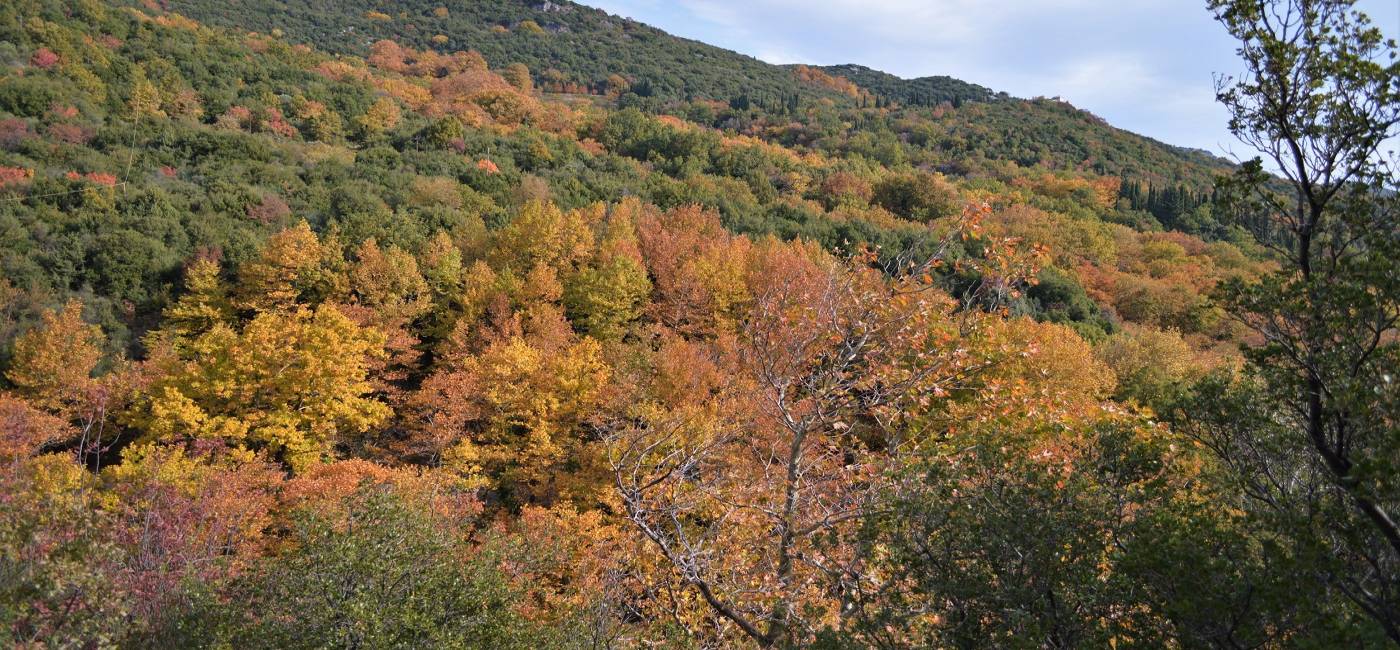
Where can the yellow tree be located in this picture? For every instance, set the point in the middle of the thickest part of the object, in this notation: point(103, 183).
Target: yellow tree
point(543, 234)
point(204, 304)
point(388, 282)
point(441, 264)
point(294, 383)
point(52, 369)
point(389, 295)
point(611, 292)
point(145, 97)
point(1150, 364)
point(604, 298)
point(512, 417)
point(295, 266)
point(381, 116)
point(519, 76)
point(53, 363)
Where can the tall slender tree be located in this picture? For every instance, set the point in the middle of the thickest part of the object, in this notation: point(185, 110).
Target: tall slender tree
point(1311, 433)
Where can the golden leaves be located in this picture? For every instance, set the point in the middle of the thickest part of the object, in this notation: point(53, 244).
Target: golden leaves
point(293, 383)
point(52, 364)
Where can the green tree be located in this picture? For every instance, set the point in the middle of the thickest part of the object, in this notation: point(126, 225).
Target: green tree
point(386, 576)
point(204, 304)
point(1010, 541)
point(605, 298)
point(1316, 449)
point(918, 196)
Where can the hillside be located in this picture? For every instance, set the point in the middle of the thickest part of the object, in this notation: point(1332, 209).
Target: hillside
point(520, 326)
point(923, 91)
point(346, 143)
point(584, 45)
point(568, 46)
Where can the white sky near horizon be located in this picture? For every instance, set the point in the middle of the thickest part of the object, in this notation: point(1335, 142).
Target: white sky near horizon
point(1144, 65)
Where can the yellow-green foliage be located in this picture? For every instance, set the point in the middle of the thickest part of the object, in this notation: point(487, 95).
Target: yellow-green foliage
point(293, 383)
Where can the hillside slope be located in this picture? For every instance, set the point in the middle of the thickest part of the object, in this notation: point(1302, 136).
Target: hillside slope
point(585, 45)
point(572, 47)
point(923, 91)
point(135, 139)
point(305, 349)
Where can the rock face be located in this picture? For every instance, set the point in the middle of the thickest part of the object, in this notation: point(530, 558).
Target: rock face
point(550, 7)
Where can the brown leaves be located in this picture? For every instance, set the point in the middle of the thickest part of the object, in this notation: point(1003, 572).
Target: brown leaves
point(457, 84)
point(697, 268)
point(24, 430)
point(749, 464)
point(512, 415)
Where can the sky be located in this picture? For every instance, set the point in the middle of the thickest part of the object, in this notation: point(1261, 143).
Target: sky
point(1144, 65)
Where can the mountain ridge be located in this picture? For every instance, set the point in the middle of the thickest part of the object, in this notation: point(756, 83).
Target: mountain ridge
point(571, 46)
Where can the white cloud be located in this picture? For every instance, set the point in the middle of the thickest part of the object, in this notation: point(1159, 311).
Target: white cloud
point(923, 21)
point(1103, 77)
point(778, 56)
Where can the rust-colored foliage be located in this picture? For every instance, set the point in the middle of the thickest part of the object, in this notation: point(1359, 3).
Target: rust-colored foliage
point(651, 428)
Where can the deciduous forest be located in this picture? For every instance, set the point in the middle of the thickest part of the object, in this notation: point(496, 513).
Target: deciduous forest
point(515, 324)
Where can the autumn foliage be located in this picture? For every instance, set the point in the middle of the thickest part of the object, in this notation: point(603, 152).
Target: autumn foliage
point(422, 349)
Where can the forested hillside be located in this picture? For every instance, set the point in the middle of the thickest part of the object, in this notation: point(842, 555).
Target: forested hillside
point(564, 43)
point(577, 49)
point(500, 324)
